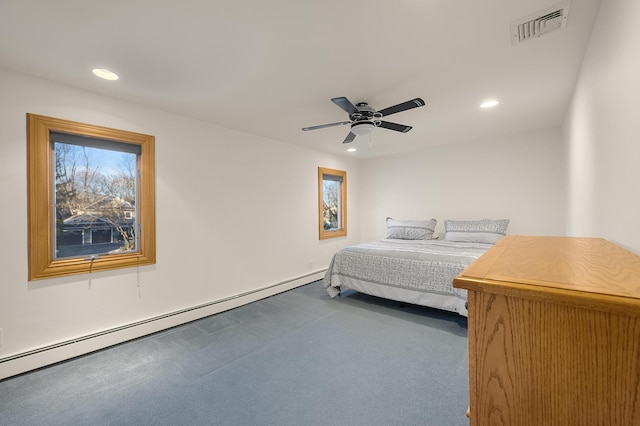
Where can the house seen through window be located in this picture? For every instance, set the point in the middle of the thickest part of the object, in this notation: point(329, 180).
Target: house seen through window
point(95, 196)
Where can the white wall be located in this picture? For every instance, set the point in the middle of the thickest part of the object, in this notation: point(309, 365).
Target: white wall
point(519, 177)
point(235, 213)
point(602, 131)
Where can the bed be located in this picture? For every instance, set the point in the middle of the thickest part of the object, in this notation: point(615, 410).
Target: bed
point(410, 266)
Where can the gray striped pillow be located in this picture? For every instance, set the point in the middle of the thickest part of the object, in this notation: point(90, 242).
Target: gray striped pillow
point(475, 231)
point(410, 229)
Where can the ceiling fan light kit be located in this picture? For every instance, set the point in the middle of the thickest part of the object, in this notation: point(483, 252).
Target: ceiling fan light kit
point(363, 118)
point(362, 128)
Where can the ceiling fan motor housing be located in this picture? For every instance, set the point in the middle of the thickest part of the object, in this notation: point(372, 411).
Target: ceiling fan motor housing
point(365, 112)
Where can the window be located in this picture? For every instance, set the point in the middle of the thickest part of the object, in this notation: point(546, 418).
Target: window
point(332, 203)
point(90, 198)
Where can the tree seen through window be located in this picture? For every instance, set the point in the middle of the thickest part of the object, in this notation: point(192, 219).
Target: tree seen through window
point(95, 199)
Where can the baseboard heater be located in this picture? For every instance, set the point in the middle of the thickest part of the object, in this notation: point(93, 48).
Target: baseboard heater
point(152, 320)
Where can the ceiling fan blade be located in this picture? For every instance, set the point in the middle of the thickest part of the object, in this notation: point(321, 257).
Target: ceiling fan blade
point(414, 103)
point(350, 137)
point(395, 126)
point(346, 105)
point(322, 126)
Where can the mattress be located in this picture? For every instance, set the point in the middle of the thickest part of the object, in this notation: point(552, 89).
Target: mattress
point(413, 271)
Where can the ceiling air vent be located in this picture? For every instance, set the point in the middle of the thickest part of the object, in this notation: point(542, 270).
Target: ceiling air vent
point(539, 23)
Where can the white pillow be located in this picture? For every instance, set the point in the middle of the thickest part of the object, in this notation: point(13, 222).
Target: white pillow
point(410, 229)
point(475, 231)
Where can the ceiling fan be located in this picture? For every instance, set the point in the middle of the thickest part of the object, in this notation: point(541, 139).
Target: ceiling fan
point(363, 118)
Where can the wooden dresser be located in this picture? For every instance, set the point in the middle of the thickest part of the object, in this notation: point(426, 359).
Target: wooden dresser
point(554, 333)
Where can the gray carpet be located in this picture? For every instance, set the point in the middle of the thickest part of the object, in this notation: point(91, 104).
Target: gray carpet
point(298, 358)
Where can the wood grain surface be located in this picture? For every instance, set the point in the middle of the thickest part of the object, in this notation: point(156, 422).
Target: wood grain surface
point(539, 357)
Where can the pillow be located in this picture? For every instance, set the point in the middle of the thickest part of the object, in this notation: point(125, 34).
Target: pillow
point(475, 231)
point(410, 229)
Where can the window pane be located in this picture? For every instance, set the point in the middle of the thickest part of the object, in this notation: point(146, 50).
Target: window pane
point(95, 198)
point(331, 207)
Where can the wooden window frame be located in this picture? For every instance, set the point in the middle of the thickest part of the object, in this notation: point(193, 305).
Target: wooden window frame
point(342, 230)
point(40, 195)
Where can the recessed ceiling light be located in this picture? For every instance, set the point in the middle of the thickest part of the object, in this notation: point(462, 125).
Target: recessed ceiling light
point(351, 150)
point(489, 103)
point(105, 73)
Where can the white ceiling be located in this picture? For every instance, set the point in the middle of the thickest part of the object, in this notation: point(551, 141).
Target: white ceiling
point(271, 67)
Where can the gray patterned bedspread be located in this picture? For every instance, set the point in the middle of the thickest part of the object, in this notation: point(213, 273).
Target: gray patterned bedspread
point(391, 266)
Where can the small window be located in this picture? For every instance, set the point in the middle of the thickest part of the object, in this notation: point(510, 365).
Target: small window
point(90, 198)
point(332, 203)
